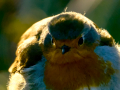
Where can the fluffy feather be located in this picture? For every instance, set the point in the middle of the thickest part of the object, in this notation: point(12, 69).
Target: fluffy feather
point(40, 64)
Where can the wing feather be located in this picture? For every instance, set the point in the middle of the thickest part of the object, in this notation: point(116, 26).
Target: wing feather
point(28, 51)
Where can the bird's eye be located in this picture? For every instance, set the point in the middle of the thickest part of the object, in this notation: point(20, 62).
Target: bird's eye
point(52, 41)
point(80, 41)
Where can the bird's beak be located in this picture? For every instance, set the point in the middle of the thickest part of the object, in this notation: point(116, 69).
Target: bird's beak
point(65, 49)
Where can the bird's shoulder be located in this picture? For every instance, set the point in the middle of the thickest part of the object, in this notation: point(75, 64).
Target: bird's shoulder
point(28, 51)
point(105, 38)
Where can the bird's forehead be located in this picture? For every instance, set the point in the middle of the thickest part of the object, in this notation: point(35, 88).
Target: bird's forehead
point(67, 26)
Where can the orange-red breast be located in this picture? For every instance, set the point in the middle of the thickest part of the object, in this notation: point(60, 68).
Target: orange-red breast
point(66, 52)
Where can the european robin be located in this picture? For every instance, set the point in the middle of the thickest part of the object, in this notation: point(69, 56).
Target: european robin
point(67, 51)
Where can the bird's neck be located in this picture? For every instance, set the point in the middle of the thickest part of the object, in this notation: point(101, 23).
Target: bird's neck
point(84, 73)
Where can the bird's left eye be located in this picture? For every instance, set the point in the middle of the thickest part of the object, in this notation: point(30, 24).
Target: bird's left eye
point(52, 41)
point(80, 42)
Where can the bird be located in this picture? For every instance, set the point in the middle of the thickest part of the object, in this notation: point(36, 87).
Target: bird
point(66, 51)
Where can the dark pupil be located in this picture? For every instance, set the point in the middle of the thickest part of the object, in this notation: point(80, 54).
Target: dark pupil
point(52, 40)
point(80, 41)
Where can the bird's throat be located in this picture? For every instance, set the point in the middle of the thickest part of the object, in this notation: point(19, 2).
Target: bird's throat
point(83, 73)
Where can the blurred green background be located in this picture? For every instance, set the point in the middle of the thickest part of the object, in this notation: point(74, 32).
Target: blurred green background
point(18, 15)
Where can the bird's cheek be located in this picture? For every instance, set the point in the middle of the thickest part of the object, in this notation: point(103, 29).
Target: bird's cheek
point(56, 56)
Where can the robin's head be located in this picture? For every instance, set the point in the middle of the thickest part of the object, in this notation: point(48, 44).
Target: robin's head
point(71, 36)
point(69, 50)
point(68, 42)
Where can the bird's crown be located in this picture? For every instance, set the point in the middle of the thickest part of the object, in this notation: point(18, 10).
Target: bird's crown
point(69, 25)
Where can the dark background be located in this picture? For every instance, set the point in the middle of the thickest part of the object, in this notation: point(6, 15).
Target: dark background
point(18, 15)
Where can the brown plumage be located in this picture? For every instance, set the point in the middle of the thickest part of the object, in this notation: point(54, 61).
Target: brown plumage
point(66, 52)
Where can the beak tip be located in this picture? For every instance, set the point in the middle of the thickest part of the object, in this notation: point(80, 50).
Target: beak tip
point(65, 49)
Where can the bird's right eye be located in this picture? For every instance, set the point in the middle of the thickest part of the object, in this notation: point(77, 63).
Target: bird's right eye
point(80, 42)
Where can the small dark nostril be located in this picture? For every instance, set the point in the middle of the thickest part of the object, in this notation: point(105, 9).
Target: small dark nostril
point(65, 49)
